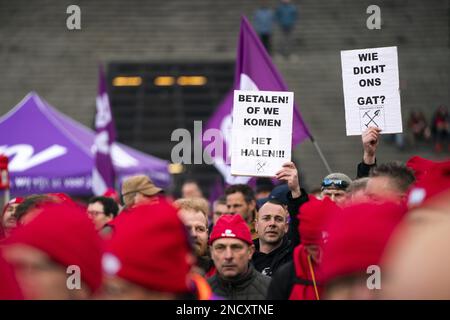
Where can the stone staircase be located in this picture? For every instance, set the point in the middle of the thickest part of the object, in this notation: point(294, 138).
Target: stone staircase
point(37, 52)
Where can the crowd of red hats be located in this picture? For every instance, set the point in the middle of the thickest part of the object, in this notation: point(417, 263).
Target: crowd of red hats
point(149, 250)
point(150, 247)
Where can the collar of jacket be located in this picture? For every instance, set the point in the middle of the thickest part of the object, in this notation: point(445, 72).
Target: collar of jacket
point(205, 263)
point(285, 243)
point(240, 281)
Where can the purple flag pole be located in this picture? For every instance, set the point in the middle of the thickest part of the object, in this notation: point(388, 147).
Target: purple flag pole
point(103, 175)
point(254, 71)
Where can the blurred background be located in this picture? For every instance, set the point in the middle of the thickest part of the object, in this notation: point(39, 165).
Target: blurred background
point(151, 50)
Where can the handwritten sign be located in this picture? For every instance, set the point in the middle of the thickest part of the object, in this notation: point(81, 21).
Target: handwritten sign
point(371, 90)
point(261, 132)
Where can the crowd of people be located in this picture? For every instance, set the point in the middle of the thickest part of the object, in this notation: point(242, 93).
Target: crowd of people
point(285, 16)
point(435, 132)
point(382, 235)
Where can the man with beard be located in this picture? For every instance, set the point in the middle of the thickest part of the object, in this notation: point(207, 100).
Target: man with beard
point(160, 272)
point(194, 214)
point(273, 248)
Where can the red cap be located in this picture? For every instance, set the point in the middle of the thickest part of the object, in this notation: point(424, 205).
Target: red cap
point(150, 247)
point(434, 182)
point(62, 197)
point(358, 237)
point(420, 166)
point(17, 200)
point(68, 236)
point(9, 288)
point(313, 216)
point(111, 193)
point(231, 226)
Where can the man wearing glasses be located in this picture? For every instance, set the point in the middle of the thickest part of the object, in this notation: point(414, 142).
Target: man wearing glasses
point(102, 210)
point(335, 186)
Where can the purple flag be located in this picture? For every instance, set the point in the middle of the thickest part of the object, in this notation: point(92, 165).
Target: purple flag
point(103, 174)
point(254, 71)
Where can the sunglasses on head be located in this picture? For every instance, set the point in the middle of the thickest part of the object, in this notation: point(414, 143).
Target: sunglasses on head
point(337, 183)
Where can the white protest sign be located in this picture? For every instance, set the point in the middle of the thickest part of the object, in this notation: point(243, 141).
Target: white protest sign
point(371, 90)
point(261, 137)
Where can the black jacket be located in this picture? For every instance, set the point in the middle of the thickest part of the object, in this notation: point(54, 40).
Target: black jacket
point(282, 282)
point(363, 169)
point(268, 263)
point(250, 286)
point(205, 263)
point(293, 206)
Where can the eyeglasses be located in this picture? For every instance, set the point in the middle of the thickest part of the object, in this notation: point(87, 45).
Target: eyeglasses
point(94, 213)
point(337, 183)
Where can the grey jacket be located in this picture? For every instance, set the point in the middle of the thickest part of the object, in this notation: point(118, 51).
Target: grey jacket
point(250, 286)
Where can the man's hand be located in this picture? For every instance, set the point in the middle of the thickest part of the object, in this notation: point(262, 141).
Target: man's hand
point(370, 140)
point(289, 174)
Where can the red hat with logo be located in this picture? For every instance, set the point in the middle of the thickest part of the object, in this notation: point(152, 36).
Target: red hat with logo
point(358, 237)
point(231, 226)
point(150, 247)
point(67, 235)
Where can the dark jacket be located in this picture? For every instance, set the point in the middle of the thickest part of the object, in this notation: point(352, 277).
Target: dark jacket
point(363, 169)
point(206, 265)
point(268, 263)
point(282, 282)
point(293, 207)
point(250, 286)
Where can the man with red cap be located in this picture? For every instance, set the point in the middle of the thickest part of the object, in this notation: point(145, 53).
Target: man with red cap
point(8, 218)
point(149, 257)
point(32, 205)
point(231, 249)
point(352, 255)
point(298, 280)
point(57, 255)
